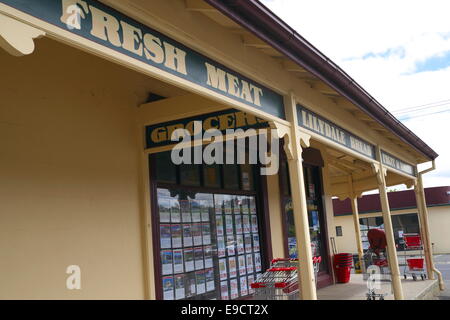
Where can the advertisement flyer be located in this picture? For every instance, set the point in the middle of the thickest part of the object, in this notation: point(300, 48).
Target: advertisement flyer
point(200, 281)
point(236, 206)
point(165, 236)
point(210, 286)
point(249, 260)
point(195, 211)
point(232, 266)
point(221, 247)
point(189, 260)
point(180, 292)
point(256, 243)
point(164, 210)
point(178, 266)
point(254, 221)
point(231, 245)
point(245, 209)
point(223, 269)
point(198, 257)
point(206, 231)
point(257, 262)
point(229, 224)
point(175, 211)
point(252, 205)
point(218, 204)
point(234, 289)
point(241, 263)
point(246, 223)
point(248, 243)
point(167, 284)
point(240, 244)
point(224, 290)
point(244, 288)
point(177, 240)
point(197, 234)
point(219, 225)
point(204, 209)
point(167, 262)
point(250, 280)
point(238, 224)
point(227, 206)
point(208, 251)
point(191, 287)
point(187, 235)
point(185, 211)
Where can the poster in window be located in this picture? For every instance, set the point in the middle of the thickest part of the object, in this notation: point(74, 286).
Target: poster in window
point(257, 262)
point(237, 206)
point(224, 290)
point(218, 204)
point(164, 209)
point(238, 223)
point(250, 280)
point(234, 289)
point(231, 245)
point(228, 206)
point(177, 241)
point(248, 243)
point(191, 287)
point(209, 274)
point(200, 281)
point(254, 221)
point(167, 262)
point(208, 251)
point(167, 283)
point(187, 235)
point(223, 269)
point(246, 223)
point(256, 243)
point(206, 231)
point(185, 211)
point(252, 205)
point(165, 236)
point(178, 266)
point(240, 244)
point(241, 263)
point(245, 209)
point(198, 258)
point(197, 234)
point(175, 211)
point(229, 224)
point(249, 260)
point(244, 288)
point(180, 291)
point(220, 247)
point(232, 266)
point(219, 225)
point(189, 260)
point(195, 211)
point(204, 209)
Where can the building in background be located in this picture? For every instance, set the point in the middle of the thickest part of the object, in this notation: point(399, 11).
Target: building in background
point(404, 218)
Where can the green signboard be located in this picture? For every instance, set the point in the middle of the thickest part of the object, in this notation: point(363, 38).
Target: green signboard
point(110, 28)
point(158, 135)
point(319, 125)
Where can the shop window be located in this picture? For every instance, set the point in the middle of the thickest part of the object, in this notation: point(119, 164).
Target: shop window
point(247, 177)
point(338, 231)
point(212, 176)
point(166, 169)
point(231, 176)
point(190, 174)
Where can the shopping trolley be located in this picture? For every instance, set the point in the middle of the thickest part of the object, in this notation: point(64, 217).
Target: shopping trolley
point(414, 265)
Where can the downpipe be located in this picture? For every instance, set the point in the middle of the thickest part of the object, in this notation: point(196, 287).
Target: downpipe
point(424, 204)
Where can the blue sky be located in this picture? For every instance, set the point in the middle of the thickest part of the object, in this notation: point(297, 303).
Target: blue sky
point(399, 51)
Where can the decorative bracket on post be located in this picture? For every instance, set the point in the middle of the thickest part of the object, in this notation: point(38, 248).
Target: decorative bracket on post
point(284, 132)
point(16, 37)
point(380, 172)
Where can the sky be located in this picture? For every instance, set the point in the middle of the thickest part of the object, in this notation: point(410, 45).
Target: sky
point(398, 51)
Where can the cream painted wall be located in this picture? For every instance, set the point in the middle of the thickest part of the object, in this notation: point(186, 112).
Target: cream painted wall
point(69, 175)
point(276, 227)
point(439, 221)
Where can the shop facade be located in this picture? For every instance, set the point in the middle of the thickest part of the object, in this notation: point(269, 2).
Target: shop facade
point(93, 93)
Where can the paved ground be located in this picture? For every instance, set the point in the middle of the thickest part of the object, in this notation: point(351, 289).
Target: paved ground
point(442, 263)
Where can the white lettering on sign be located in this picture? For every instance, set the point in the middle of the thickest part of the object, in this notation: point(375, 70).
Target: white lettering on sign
point(397, 164)
point(121, 34)
point(231, 84)
point(313, 123)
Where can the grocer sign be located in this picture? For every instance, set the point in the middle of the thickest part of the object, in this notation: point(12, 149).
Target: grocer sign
point(158, 135)
point(395, 163)
point(327, 129)
point(97, 22)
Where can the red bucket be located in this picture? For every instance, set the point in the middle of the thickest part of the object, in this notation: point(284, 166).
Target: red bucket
point(415, 264)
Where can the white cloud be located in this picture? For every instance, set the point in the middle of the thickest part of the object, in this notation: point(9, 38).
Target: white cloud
point(414, 30)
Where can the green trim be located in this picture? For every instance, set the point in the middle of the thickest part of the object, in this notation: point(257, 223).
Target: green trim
point(396, 209)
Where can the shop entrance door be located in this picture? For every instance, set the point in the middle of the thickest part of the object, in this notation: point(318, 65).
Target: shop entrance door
point(316, 218)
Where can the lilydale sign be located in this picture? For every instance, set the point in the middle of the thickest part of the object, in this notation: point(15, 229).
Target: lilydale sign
point(97, 22)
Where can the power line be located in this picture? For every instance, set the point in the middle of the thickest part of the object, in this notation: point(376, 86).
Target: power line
point(423, 105)
point(421, 108)
point(423, 115)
